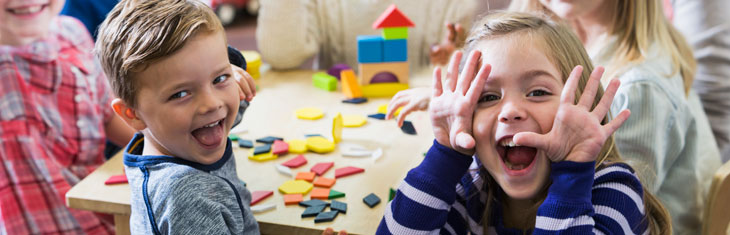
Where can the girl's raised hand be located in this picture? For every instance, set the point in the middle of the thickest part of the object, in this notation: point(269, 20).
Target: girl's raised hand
point(453, 103)
point(577, 134)
point(410, 100)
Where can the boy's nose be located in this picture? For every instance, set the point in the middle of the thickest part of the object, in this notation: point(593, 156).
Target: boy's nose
point(209, 103)
point(511, 112)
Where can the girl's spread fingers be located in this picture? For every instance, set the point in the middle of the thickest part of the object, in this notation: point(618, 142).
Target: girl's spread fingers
point(568, 95)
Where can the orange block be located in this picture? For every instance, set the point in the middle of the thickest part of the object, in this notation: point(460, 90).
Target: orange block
point(308, 176)
point(350, 86)
point(290, 199)
point(320, 193)
point(324, 182)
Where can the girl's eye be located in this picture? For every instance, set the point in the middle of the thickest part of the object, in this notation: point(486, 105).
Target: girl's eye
point(178, 95)
point(538, 93)
point(221, 78)
point(487, 98)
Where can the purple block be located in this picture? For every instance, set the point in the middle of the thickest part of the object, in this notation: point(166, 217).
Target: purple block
point(384, 77)
point(337, 69)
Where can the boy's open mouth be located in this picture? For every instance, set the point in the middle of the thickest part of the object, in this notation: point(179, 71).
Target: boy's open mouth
point(515, 157)
point(210, 135)
point(27, 10)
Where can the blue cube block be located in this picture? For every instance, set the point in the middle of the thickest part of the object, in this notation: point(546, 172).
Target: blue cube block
point(395, 50)
point(369, 49)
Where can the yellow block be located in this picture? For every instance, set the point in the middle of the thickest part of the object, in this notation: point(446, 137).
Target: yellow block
point(388, 90)
point(384, 110)
point(253, 62)
point(350, 86)
point(295, 187)
point(262, 156)
point(309, 113)
point(354, 120)
point(337, 124)
point(319, 144)
point(297, 146)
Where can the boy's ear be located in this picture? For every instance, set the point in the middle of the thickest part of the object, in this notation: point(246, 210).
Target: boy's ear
point(128, 114)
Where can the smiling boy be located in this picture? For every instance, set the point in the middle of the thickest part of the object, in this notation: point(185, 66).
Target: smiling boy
point(167, 62)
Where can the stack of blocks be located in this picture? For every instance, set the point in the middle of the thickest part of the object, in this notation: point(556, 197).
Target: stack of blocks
point(383, 60)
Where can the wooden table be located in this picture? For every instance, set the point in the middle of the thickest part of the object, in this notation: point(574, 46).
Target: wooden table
point(272, 113)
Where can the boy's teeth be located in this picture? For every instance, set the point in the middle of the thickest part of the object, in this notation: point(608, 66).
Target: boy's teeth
point(212, 124)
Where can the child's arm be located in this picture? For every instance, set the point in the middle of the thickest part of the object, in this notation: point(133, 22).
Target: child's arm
point(423, 203)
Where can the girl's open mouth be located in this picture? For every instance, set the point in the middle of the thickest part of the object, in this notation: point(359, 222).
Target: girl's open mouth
point(516, 160)
point(27, 11)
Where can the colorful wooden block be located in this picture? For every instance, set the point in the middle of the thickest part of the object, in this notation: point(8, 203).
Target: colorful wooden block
point(390, 33)
point(261, 149)
point(380, 116)
point(320, 193)
point(383, 108)
point(408, 128)
point(383, 77)
point(325, 216)
point(309, 113)
point(322, 167)
point(324, 182)
point(314, 202)
point(295, 162)
point(337, 124)
point(319, 144)
point(345, 171)
point(116, 179)
point(290, 199)
point(391, 195)
point(324, 81)
point(295, 187)
point(382, 90)
point(337, 69)
point(308, 176)
point(233, 137)
point(268, 139)
point(371, 200)
point(350, 85)
point(350, 120)
point(245, 143)
point(395, 50)
point(369, 70)
point(313, 211)
point(355, 100)
point(392, 17)
point(351, 150)
point(263, 208)
point(369, 49)
point(279, 147)
point(257, 196)
point(262, 157)
point(297, 146)
point(284, 170)
point(336, 194)
point(339, 206)
point(377, 154)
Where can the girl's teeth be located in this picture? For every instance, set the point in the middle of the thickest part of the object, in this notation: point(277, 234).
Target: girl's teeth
point(28, 10)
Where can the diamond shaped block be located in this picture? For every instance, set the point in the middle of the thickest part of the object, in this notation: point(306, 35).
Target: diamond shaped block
point(324, 182)
point(261, 149)
point(279, 147)
point(263, 208)
point(314, 202)
point(320, 193)
point(295, 162)
point(295, 187)
point(339, 206)
point(392, 194)
point(345, 171)
point(268, 139)
point(325, 216)
point(408, 128)
point(355, 101)
point(322, 167)
point(245, 143)
point(371, 200)
point(290, 199)
point(336, 194)
point(313, 211)
point(116, 179)
point(308, 176)
point(258, 196)
point(297, 146)
point(380, 116)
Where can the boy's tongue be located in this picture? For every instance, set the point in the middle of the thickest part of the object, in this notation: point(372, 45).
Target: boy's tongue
point(209, 135)
point(521, 155)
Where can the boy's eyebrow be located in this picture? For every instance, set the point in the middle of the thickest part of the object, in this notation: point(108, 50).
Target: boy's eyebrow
point(221, 69)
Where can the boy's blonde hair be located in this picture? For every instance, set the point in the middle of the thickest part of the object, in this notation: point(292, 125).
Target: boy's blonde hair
point(565, 51)
point(637, 24)
point(137, 33)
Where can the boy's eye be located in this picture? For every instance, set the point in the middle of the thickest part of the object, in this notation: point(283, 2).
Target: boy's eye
point(538, 93)
point(487, 98)
point(178, 95)
point(221, 78)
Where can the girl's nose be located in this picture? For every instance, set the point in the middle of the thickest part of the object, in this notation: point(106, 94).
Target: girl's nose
point(511, 112)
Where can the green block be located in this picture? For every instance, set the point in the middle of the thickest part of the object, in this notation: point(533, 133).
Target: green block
point(392, 194)
point(233, 137)
point(324, 81)
point(395, 33)
point(335, 194)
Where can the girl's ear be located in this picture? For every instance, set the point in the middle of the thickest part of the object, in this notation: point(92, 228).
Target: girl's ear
point(128, 114)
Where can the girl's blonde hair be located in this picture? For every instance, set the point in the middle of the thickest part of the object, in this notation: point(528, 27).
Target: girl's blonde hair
point(565, 51)
point(637, 24)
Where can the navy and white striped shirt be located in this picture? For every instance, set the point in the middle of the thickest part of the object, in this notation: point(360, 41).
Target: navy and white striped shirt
point(438, 198)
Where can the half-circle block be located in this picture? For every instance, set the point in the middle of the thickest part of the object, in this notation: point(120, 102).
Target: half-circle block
point(383, 77)
point(369, 70)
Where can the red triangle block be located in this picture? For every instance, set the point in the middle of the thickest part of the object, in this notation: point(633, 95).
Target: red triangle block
point(322, 167)
point(258, 196)
point(279, 147)
point(116, 179)
point(295, 162)
point(345, 171)
point(392, 17)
